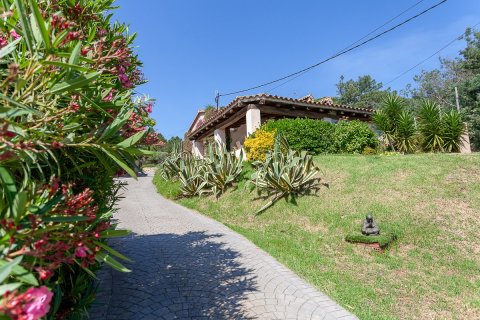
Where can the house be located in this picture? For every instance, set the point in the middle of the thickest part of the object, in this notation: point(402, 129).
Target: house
point(239, 119)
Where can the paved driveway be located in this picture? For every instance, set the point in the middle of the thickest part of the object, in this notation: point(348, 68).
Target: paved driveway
point(188, 266)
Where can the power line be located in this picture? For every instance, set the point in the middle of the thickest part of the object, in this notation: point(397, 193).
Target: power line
point(383, 25)
point(429, 57)
point(337, 54)
point(354, 43)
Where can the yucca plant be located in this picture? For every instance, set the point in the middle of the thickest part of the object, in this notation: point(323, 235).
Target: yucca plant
point(387, 119)
point(453, 129)
point(406, 133)
point(222, 168)
point(431, 126)
point(284, 173)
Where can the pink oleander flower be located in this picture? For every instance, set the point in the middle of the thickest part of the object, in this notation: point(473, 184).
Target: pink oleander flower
point(149, 108)
point(44, 273)
point(3, 42)
point(109, 96)
point(30, 305)
point(39, 302)
point(14, 34)
point(81, 252)
point(125, 80)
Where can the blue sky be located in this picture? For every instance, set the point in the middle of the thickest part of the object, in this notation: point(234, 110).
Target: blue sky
point(192, 48)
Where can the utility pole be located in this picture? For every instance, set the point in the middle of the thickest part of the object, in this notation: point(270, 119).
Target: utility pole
point(457, 101)
point(217, 98)
point(465, 139)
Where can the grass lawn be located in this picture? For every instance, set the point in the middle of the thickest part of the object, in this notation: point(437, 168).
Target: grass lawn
point(431, 202)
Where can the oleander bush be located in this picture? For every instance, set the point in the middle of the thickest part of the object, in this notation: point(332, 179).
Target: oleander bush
point(68, 124)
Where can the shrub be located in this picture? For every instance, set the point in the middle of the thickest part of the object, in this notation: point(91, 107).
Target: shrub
point(314, 136)
point(258, 144)
point(353, 137)
point(369, 151)
point(68, 123)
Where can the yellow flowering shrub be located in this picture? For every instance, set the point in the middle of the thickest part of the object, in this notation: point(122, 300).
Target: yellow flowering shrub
point(258, 144)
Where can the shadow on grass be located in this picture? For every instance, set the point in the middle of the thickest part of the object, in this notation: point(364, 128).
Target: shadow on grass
point(185, 276)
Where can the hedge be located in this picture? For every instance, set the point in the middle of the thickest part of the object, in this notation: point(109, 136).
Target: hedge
point(318, 136)
point(314, 136)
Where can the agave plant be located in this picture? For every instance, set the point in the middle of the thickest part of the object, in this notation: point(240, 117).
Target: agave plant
point(170, 167)
point(431, 126)
point(222, 168)
point(192, 176)
point(453, 129)
point(285, 173)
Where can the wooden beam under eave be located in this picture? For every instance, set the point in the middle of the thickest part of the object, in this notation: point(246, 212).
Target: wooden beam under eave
point(239, 114)
point(291, 113)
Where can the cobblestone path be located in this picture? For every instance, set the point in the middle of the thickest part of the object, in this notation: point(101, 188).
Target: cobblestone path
point(188, 266)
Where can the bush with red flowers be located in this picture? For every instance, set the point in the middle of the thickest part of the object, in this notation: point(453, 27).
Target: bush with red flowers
point(68, 122)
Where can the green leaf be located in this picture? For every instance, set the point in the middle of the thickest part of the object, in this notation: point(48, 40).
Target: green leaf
point(103, 257)
point(75, 56)
point(71, 126)
point(116, 157)
point(47, 206)
point(9, 48)
point(117, 123)
point(66, 219)
point(19, 204)
point(65, 65)
point(131, 141)
point(13, 113)
point(8, 183)
point(114, 233)
point(76, 83)
point(112, 251)
point(27, 31)
point(93, 103)
point(138, 151)
point(22, 274)
point(6, 269)
point(41, 24)
point(17, 104)
point(9, 287)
